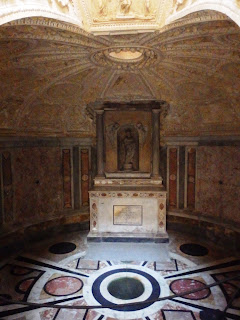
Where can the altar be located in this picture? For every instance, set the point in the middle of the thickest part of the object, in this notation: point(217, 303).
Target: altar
point(128, 200)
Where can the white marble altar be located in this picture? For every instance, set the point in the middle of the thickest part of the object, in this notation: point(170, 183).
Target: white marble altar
point(128, 214)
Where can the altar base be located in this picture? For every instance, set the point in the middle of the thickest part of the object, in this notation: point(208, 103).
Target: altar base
point(123, 213)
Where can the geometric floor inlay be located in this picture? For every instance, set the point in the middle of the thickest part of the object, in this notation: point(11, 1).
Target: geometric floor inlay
point(42, 276)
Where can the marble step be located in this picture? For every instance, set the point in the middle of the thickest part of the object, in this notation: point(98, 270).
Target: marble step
point(128, 237)
point(115, 251)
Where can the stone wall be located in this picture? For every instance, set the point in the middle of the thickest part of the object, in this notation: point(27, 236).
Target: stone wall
point(44, 187)
point(203, 179)
point(39, 182)
point(218, 183)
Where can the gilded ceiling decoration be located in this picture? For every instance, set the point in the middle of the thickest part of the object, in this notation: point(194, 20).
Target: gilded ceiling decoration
point(122, 58)
point(115, 16)
point(51, 70)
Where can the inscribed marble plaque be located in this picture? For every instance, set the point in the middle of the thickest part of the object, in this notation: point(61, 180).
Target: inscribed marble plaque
point(127, 215)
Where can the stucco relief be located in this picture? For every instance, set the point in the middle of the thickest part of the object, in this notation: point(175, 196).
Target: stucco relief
point(100, 15)
point(105, 10)
point(64, 3)
point(178, 5)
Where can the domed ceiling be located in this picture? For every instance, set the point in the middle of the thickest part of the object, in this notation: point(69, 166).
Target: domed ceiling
point(50, 71)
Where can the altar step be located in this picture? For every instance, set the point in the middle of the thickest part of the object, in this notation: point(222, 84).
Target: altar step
point(116, 251)
point(128, 237)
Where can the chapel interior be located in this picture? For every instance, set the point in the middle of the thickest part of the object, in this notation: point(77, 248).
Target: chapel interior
point(119, 159)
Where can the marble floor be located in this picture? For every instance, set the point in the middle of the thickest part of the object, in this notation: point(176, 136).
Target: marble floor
point(55, 272)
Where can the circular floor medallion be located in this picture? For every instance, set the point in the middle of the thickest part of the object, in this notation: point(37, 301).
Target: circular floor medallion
point(102, 286)
point(194, 249)
point(126, 288)
point(182, 285)
point(155, 290)
point(62, 248)
point(63, 286)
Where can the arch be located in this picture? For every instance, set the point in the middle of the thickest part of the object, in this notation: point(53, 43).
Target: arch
point(232, 10)
point(21, 11)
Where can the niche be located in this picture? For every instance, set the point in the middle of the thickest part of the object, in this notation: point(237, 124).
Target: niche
point(128, 148)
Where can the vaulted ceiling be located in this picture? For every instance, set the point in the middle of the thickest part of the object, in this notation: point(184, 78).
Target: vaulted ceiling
point(50, 71)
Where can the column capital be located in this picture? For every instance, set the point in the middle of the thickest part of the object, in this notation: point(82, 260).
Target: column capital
point(99, 111)
point(156, 110)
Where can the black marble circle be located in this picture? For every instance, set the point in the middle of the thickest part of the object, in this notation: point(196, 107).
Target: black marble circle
point(126, 288)
point(99, 296)
point(62, 248)
point(194, 249)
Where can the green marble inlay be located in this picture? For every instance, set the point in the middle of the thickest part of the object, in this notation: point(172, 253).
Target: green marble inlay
point(126, 288)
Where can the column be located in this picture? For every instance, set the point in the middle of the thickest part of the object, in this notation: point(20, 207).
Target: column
point(155, 142)
point(100, 163)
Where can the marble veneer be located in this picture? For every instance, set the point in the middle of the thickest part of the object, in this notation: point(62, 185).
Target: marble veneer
point(127, 213)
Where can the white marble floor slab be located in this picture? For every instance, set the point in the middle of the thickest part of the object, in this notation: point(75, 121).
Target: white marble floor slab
point(115, 251)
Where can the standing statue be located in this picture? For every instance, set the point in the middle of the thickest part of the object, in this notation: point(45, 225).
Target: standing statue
point(64, 3)
point(178, 3)
point(102, 7)
point(125, 6)
point(130, 149)
point(147, 6)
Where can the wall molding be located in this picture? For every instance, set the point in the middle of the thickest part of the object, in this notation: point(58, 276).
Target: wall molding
point(202, 141)
point(24, 142)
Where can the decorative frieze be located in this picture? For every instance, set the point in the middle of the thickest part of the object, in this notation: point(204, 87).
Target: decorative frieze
point(128, 194)
point(128, 182)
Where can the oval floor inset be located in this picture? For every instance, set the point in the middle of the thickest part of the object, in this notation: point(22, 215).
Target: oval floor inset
point(63, 286)
point(62, 248)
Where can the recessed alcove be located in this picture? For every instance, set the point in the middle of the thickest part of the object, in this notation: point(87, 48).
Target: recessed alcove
point(160, 82)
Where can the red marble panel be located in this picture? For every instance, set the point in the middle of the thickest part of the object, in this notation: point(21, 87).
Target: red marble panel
point(184, 285)
point(191, 177)
point(172, 178)
point(7, 187)
point(85, 176)
point(67, 178)
point(63, 286)
point(25, 285)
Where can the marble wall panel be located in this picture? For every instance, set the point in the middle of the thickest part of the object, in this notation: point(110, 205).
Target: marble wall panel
point(67, 178)
point(8, 192)
point(173, 168)
point(37, 183)
point(85, 176)
point(218, 182)
point(191, 172)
